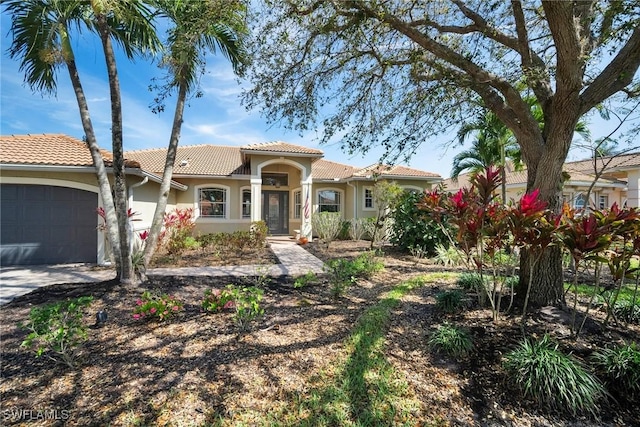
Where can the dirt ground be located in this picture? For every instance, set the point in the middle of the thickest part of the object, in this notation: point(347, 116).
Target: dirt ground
point(200, 368)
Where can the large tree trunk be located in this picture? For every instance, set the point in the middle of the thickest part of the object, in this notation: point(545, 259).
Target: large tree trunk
point(165, 186)
point(101, 172)
point(120, 185)
point(546, 284)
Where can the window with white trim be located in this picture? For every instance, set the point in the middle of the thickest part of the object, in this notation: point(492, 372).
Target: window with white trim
point(368, 198)
point(603, 201)
point(329, 201)
point(212, 202)
point(580, 202)
point(297, 204)
point(246, 203)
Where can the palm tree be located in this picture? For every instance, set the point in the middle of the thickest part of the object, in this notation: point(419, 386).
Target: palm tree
point(198, 27)
point(42, 43)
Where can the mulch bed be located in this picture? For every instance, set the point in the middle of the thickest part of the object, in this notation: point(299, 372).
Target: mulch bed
point(200, 367)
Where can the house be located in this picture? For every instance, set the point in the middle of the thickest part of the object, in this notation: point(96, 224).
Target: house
point(49, 192)
point(619, 182)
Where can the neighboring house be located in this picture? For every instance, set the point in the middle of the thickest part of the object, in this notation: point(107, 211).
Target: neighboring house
point(49, 192)
point(619, 182)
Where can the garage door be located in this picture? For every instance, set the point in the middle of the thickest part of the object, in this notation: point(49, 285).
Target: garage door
point(43, 224)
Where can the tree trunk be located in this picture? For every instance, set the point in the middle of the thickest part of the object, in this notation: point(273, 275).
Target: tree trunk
point(120, 185)
point(165, 186)
point(101, 172)
point(547, 284)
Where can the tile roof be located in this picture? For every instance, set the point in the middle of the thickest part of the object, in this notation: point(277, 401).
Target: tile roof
point(611, 163)
point(50, 149)
point(281, 147)
point(391, 171)
point(325, 169)
point(516, 178)
point(195, 160)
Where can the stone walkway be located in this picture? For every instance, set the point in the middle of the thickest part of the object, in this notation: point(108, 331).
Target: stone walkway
point(20, 280)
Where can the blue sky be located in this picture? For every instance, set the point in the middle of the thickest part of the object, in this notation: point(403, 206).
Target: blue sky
point(216, 118)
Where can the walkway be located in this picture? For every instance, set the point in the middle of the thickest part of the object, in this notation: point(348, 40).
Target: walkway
point(20, 280)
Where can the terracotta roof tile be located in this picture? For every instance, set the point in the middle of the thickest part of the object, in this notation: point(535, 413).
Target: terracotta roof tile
point(397, 170)
point(282, 147)
point(50, 149)
point(608, 163)
point(216, 160)
point(325, 169)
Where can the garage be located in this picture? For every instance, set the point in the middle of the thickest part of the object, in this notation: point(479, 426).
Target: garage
point(43, 224)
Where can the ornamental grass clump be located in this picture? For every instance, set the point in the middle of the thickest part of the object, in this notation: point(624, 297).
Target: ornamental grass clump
point(57, 330)
point(450, 302)
point(553, 380)
point(451, 340)
point(156, 307)
point(619, 367)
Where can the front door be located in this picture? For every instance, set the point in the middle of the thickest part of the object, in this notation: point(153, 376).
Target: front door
point(275, 211)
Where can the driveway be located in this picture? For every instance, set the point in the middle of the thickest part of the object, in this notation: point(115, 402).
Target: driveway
point(20, 280)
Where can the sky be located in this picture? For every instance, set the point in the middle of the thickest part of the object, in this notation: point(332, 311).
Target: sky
point(216, 118)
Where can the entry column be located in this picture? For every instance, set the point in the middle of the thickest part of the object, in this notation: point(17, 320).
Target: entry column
point(256, 199)
point(307, 209)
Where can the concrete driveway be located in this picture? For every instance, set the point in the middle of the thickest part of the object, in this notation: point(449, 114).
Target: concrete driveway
point(20, 280)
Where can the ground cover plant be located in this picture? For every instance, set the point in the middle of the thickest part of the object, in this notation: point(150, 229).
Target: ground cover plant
point(309, 359)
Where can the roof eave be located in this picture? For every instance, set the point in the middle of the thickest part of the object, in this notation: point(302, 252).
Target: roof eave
point(281, 153)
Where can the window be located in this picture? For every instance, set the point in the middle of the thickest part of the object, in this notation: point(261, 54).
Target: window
point(328, 201)
point(212, 202)
point(603, 201)
point(580, 201)
point(297, 204)
point(368, 197)
point(246, 203)
point(275, 179)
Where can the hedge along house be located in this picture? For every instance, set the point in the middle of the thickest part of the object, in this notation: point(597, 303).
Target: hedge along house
point(49, 192)
point(619, 182)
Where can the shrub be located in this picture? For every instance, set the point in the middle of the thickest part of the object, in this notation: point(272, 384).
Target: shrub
point(344, 272)
point(357, 228)
point(449, 256)
point(327, 225)
point(305, 280)
point(57, 328)
point(247, 304)
point(554, 380)
point(411, 228)
point(620, 369)
point(258, 233)
point(450, 301)
point(450, 340)
point(626, 311)
point(178, 229)
point(156, 307)
point(218, 299)
point(470, 282)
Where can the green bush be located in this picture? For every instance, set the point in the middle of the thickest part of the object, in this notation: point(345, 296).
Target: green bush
point(327, 225)
point(306, 280)
point(57, 328)
point(247, 304)
point(449, 256)
point(411, 228)
point(450, 301)
point(470, 282)
point(552, 379)
point(357, 229)
point(156, 307)
point(343, 272)
point(619, 367)
point(450, 340)
point(626, 311)
point(218, 299)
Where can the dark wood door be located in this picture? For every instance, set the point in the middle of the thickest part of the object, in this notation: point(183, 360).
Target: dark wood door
point(275, 211)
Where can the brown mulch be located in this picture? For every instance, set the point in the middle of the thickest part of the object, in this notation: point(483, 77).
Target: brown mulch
point(210, 257)
point(199, 368)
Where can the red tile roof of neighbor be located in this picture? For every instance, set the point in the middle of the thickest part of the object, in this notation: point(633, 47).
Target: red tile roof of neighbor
point(50, 149)
point(391, 171)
